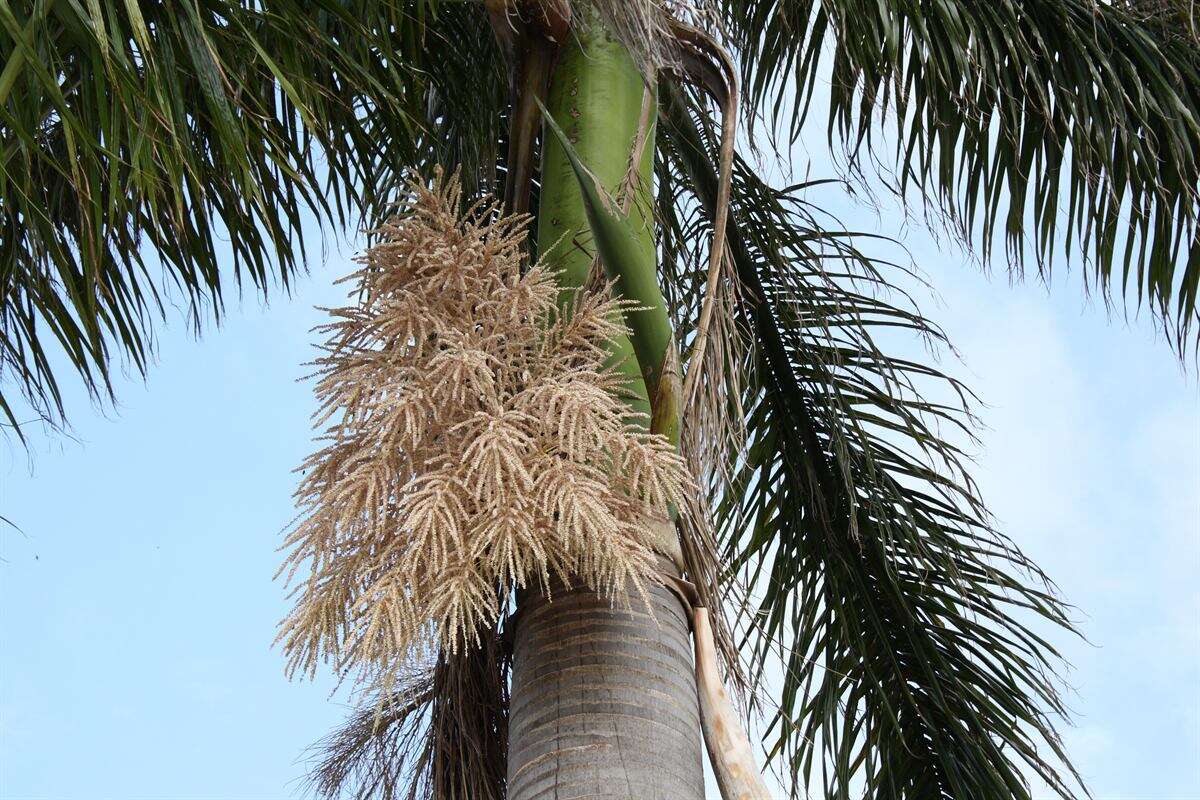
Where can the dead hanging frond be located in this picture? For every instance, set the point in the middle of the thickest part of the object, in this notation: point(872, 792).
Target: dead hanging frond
point(372, 755)
point(440, 733)
point(474, 442)
point(713, 428)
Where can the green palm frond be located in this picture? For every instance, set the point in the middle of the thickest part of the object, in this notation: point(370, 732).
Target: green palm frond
point(898, 614)
point(1072, 123)
point(144, 140)
point(466, 100)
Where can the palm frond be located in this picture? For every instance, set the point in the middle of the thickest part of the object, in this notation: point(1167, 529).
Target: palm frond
point(898, 614)
point(146, 145)
point(1048, 124)
point(440, 733)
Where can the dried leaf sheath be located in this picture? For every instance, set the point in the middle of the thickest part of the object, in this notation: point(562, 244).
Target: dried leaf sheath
point(474, 442)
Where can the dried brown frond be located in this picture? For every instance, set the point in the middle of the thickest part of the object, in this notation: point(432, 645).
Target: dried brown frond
point(713, 438)
point(372, 755)
point(714, 430)
point(474, 441)
point(440, 733)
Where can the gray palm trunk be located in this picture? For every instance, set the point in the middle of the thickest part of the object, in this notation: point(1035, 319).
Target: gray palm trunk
point(603, 700)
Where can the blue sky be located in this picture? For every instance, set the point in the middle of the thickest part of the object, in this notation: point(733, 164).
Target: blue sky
point(137, 608)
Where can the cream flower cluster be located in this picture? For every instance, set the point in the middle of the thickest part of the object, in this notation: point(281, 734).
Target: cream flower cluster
point(474, 441)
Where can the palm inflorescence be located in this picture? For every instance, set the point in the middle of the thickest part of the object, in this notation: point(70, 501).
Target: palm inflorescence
point(476, 441)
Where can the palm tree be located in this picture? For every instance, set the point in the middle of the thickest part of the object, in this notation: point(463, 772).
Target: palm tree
point(891, 635)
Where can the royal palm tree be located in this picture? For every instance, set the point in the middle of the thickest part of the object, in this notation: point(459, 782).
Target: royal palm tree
point(862, 599)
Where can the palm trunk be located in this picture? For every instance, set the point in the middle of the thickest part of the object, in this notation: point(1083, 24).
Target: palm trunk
point(603, 701)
